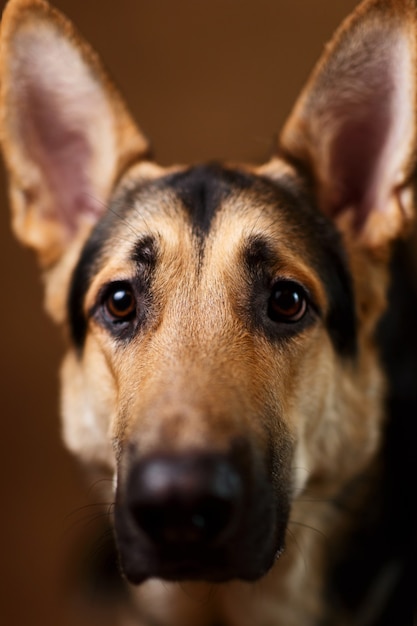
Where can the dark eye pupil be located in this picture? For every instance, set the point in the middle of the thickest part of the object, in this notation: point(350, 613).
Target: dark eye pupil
point(122, 300)
point(121, 304)
point(287, 303)
point(287, 300)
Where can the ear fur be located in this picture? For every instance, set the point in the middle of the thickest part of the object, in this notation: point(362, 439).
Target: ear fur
point(353, 127)
point(65, 131)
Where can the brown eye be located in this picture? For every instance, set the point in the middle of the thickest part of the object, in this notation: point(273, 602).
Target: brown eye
point(120, 303)
point(287, 303)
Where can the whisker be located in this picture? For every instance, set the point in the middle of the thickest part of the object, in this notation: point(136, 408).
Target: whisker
point(110, 209)
point(89, 515)
point(298, 546)
point(85, 507)
point(307, 526)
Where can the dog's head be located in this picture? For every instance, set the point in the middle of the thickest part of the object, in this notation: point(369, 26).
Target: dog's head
point(220, 319)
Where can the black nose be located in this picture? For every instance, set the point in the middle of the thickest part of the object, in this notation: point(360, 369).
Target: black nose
point(186, 499)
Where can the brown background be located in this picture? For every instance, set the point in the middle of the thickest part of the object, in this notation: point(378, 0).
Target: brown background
point(206, 79)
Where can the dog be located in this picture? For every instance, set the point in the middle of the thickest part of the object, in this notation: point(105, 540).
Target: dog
point(232, 363)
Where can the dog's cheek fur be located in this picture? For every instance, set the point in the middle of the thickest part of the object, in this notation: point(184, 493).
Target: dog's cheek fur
point(337, 421)
point(339, 400)
point(88, 406)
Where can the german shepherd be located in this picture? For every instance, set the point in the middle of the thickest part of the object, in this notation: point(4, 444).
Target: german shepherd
point(227, 364)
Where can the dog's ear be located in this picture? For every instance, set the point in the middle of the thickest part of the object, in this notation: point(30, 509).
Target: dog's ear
point(66, 133)
point(353, 127)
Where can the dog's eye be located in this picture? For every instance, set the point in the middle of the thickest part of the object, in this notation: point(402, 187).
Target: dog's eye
point(120, 303)
point(287, 302)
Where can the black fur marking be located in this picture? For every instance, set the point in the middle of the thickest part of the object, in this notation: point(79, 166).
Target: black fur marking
point(383, 544)
point(327, 255)
point(203, 188)
point(80, 283)
point(145, 252)
point(324, 249)
point(88, 265)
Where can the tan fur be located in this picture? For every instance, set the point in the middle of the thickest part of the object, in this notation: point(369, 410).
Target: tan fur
point(198, 377)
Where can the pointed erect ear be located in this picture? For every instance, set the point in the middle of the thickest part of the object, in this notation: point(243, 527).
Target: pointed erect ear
point(353, 127)
point(66, 133)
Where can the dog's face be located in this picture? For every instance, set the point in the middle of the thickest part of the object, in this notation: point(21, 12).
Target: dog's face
point(204, 305)
point(220, 319)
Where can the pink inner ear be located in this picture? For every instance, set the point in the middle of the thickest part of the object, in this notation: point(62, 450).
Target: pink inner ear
point(63, 124)
point(63, 154)
point(373, 123)
point(356, 157)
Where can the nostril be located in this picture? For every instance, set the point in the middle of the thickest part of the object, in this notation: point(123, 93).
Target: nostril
point(179, 522)
point(184, 500)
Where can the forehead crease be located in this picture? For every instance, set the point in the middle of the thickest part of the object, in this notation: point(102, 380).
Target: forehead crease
point(202, 191)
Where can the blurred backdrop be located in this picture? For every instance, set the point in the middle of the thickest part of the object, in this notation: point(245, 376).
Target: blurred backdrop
point(205, 79)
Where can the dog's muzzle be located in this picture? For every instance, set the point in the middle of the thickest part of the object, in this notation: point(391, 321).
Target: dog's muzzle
point(198, 516)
